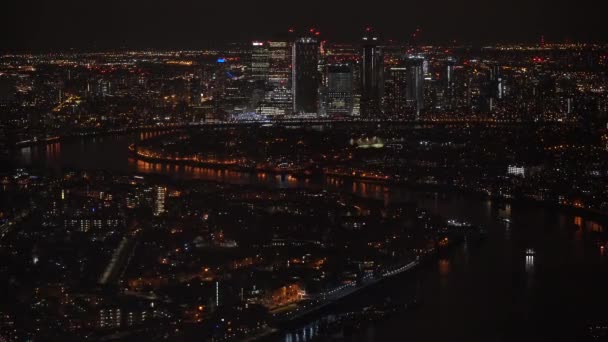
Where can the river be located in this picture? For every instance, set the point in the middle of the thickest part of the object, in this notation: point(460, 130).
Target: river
point(489, 292)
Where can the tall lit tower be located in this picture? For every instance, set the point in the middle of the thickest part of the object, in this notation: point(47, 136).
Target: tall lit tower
point(159, 203)
point(339, 95)
point(305, 75)
point(260, 61)
point(372, 75)
point(395, 104)
point(415, 84)
point(278, 74)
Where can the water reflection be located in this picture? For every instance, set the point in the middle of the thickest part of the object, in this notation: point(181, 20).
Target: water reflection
point(578, 221)
point(444, 267)
point(529, 263)
point(53, 151)
point(25, 155)
point(505, 212)
point(594, 227)
point(444, 271)
point(308, 332)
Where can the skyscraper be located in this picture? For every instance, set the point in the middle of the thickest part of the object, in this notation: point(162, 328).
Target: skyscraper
point(395, 104)
point(491, 89)
point(339, 96)
point(279, 63)
point(277, 102)
point(196, 91)
point(305, 75)
point(372, 75)
point(449, 84)
point(449, 78)
point(415, 84)
point(159, 201)
point(260, 61)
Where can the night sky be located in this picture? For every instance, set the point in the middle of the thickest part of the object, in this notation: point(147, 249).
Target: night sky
point(92, 24)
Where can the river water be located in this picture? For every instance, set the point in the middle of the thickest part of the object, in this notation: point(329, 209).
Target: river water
point(488, 292)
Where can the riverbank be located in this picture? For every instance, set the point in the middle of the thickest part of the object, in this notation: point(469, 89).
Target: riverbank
point(387, 181)
point(353, 320)
point(337, 294)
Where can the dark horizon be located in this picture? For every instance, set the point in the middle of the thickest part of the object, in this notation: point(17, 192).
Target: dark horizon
point(37, 25)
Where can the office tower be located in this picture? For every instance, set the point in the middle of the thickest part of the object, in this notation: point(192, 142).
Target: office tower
point(494, 72)
point(415, 84)
point(260, 61)
point(217, 294)
point(450, 63)
point(104, 87)
point(490, 89)
point(196, 91)
point(339, 96)
point(277, 102)
point(372, 72)
point(395, 104)
point(449, 83)
point(497, 83)
point(280, 61)
point(305, 75)
point(159, 201)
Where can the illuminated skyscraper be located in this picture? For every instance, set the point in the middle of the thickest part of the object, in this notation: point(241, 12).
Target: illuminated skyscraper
point(491, 89)
point(196, 91)
point(339, 96)
point(217, 294)
point(305, 75)
point(260, 61)
point(104, 87)
point(159, 201)
point(395, 104)
point(277, 102)
point(279, 64)
point(450, 63)
point(497, 83)
point(415, 84)
point(372, 75)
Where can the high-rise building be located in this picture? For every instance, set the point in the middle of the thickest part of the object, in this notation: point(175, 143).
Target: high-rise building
point(305, 75)
point(497, 83)
point(449, 84)
point(339, 95)
point(217, 294)
point(490, 89)
point(196, 91)
point(372, 75)
point(415, 84)
point(279, 64)
point(104, 87)
point(260, 61)
point(277, 102)
point(159, 200)
point(395, 104)
point(449, 65)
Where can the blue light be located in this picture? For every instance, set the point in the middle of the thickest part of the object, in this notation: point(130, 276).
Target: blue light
point(221, 60)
